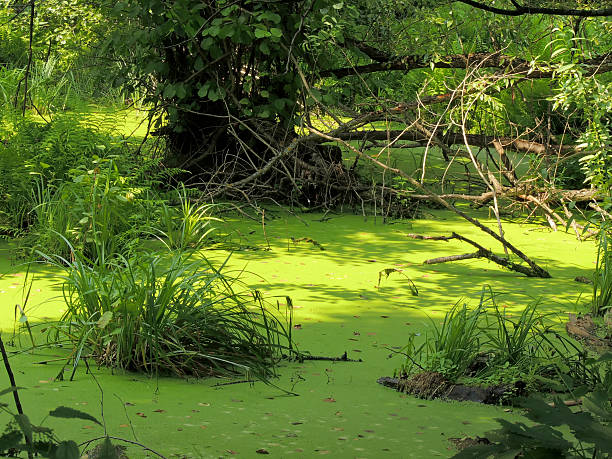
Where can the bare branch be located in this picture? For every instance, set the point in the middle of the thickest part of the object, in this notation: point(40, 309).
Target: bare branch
point(520, 10)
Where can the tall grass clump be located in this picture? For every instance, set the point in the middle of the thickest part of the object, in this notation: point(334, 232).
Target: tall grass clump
point(176, 315)
point(187, 225)
point(449, 349)
point(488, 345)
point(602, 278)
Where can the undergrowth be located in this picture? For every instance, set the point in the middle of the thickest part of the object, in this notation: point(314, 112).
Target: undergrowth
point(487, 345)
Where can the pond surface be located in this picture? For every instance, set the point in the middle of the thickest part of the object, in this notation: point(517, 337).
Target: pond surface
point(341, 411)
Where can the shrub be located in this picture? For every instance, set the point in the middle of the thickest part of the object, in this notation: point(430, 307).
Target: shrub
point(178, 316)
point(544, 438)
point(487, 345)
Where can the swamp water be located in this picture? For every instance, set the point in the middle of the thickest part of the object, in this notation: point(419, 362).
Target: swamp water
point(341, 411)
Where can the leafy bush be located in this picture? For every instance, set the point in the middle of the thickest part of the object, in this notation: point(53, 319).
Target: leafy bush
point(180, 316)
point(545, 438)
point(97, 212)
point(31, 151)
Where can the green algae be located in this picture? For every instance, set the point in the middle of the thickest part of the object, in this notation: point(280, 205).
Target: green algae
point(340, 410)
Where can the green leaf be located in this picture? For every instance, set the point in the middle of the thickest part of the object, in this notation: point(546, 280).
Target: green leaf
point(67, 450)
point(105, 319)
point(108, 450)
point(598, 404)
point(264, 48)
point(169, 91)
point(261, 33)
point(71, 413)
point(203, 91)
point(277, 33)
point(10, 439)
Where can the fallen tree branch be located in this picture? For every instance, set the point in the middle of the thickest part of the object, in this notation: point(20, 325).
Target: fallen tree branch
point(481, 253)
point(537, 271)
point(513, 64)
point(520, 10)
point(478, 140)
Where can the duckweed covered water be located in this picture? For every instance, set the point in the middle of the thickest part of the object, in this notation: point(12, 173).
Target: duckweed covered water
point(340, 410)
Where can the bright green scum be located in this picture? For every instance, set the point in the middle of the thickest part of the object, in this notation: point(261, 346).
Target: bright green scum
point(340, 410)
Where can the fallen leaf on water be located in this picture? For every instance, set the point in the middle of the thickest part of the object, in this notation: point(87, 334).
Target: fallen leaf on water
point(356, 317)
point(159, 411)
point(296, 423)
point(203, 427)
point(230, 451)
point(371, 333)
point(368, 430)
point(123, 425)
point(329, 400)
point(338, 429)
point(203, 404)
point(87, 427)
point(142, 415)
point(129, 404)
point(353, 339)
point(297, 326)
point(385, 317)
point(356, 350)
point(356, 333)
point(262, 451)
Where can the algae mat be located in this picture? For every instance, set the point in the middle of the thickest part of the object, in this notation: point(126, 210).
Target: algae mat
point(340, 410)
